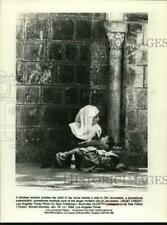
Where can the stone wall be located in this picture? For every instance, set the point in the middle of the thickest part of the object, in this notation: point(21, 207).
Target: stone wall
point(61, 66)
point(135, 89)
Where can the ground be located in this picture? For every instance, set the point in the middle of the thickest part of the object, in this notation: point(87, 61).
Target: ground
point(31, 175)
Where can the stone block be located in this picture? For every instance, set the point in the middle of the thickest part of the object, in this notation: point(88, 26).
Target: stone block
point(99, 16)
point(18, 109)
point(71, 96)
point(137, 57)
point(34, 51)
point(134, 76)
point(58, 139)
point(83, 29)
point(84, 15)
point(53, 116)
point(29, 154)
point(29, 115)
point(73, 112)
point(146, 76)
point(136, 98)
point(62, 29)
point(142, 120)
point(100, 74)
point(134, 159)
point(84, 97)
point(52, 95)
point(142, 98)
point(98, 97)
point(136, 16)
point(71, 52)
point(28, 94)
point(32, 137)
point(20, 141)
point(98, 54)
point(39, 73)
point(55, 51)
point(55, 73)
point(35, 137)
point(82, 74)
point(19, 50)
point(20, 72)
point(67, 74)
point(98, 31)
point(131, 120)
point(37, 27)
point(138, 141)
point(20, 27)
point(84, 53)
point(134, 29)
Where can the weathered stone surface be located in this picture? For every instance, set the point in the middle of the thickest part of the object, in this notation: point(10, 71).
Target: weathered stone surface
point(142, 98)
point(39, 73)
point(73, 110)
point(137, 141)
point(83, 29)
point(17, 116)
point(84, 96)
point(84, 53)
point(136, 16)
point(115, 26)
point(82, 74)
point(71, 96)
point(134, 76)
point(20, 27)
point(84, 15)
point(19, 50)
point(32, 137)
point(98, 15)
point(131, 120)
point(62, 29)
point(34, 51)
point(99, 54)
point(146, 76)
point(29, 115)
point(136, 98)
point(67, 74)
point(36, 27)
point(98, 31)
point(142, 120)
point(71, 52)
point(137, 57)
point(20, 72)
point(52, 95)
point(100, 74)
point(53, 116)
point(134, 159)
point(29, 154)
point(77, 56)
point(28, 94)
point(58, 139)
point(134, 29)
point(98, 97)
point(55, 51)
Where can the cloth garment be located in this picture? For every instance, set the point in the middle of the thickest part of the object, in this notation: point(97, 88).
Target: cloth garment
point(83, 127)
point(89, 159)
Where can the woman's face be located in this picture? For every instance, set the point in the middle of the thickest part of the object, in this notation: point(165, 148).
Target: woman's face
point(95, 119)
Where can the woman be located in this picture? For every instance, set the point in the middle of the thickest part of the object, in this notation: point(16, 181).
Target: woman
point(85, 142)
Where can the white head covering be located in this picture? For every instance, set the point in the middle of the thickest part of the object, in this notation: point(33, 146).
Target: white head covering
point(83, 128)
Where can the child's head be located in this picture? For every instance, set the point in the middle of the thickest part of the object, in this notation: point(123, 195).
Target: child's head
point(108, 140)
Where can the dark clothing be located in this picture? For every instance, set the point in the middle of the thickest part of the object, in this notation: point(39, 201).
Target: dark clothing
point(49, 156)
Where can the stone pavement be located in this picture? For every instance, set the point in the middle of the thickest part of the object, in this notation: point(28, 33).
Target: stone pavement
point(31, 175)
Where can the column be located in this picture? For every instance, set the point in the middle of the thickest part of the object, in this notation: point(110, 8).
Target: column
point(115, 32)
